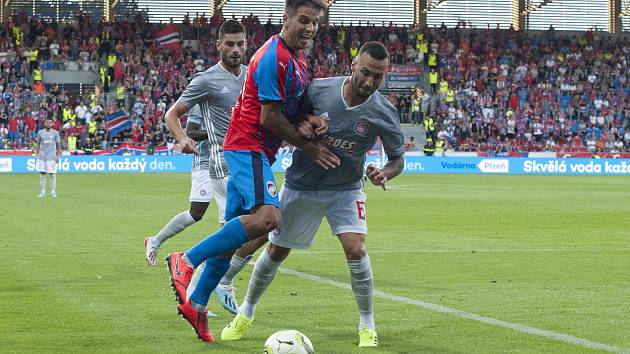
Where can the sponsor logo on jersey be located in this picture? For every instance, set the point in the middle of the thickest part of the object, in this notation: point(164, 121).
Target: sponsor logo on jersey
point(225, 90)
point(340, 143)
point(271, 189)
point(361, 127)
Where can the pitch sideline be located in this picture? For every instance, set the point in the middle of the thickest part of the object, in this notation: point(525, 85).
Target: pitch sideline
point(567, 338)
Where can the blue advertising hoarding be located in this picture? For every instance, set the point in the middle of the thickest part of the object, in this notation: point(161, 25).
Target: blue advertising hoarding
point(413, 164)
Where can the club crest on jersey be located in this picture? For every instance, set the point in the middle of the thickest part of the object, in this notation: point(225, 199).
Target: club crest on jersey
point(203, 192)
point(361, 127)
point(271, 189)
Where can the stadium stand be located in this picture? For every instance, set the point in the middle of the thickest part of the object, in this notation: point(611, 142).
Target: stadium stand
point(497, 90)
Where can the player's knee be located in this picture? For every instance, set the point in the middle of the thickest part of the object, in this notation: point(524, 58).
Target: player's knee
point(197, 215)
point(271, 223)
point(269, 219)
point(355, 252)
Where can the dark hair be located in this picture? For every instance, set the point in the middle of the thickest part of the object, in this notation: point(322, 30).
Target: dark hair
point(291, 6)
point(375, 49)
point(230, 26)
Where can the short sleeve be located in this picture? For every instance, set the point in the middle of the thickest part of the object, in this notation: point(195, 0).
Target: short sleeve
point(268, 76)
point(57, 138)
point(198, 90)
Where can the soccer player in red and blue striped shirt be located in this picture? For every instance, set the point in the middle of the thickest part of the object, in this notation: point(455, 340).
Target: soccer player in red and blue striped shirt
point(262, 118)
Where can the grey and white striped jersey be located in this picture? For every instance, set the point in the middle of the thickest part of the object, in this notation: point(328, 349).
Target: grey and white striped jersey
point(201, 160)
point(215, 91)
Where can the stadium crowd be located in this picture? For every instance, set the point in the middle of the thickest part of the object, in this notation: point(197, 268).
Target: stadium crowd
point(489, 90)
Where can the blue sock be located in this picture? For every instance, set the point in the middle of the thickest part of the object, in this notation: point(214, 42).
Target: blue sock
point(213, 272)
point(230, 237)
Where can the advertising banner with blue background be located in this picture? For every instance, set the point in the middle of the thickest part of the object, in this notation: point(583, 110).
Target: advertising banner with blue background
point(413, 164)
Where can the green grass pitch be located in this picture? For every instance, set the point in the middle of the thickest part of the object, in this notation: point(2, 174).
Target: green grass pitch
point(552, 253)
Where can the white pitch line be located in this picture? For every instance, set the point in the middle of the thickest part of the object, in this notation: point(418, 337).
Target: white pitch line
point(567, 338)
point(508, 250)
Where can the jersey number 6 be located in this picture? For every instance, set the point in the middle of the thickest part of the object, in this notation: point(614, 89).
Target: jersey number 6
point(361, 209)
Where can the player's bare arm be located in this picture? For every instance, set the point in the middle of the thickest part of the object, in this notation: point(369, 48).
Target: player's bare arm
point(271, 118)
point(196, 134)
point(392, 168)
point(175, 127)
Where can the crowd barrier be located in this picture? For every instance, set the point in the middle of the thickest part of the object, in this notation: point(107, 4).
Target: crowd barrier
point(413, 164)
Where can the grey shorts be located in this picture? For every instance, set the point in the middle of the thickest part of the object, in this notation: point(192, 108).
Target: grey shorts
point(303, 212)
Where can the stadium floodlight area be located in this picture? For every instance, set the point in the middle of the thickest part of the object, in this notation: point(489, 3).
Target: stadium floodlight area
point(476, 14)
point(264, 9)
point(164, 10)
point(571, 15)
point(398, 12)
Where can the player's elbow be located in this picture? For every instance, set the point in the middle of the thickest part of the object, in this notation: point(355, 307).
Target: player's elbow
point(176, 111)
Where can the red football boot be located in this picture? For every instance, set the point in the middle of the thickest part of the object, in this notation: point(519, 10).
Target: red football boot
point(198, 321)
point(181, 273)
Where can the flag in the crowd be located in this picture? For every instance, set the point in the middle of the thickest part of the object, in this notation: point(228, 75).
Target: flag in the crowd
point(168, 37)
point(117, 122)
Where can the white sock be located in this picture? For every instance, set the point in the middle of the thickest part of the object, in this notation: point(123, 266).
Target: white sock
point(264, 272)
point(195, 279)
point(236, 265)
point(53, 183)
point(363, 288)
point(42, 184)
point(175, 226)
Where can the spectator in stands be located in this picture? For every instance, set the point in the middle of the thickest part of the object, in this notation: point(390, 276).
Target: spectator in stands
point(497, 82)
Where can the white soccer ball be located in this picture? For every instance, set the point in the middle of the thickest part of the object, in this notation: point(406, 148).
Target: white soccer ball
point(288, 341)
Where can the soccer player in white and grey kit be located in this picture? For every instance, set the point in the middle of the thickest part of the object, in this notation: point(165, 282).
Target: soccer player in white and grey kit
point(48, 153)
point(358, 115)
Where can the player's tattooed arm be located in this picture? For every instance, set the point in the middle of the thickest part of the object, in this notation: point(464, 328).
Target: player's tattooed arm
point(271, 118)
point(196, 134)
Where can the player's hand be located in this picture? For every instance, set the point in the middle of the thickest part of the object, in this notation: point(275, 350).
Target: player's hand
point(321, 155)
point(377, 176)
point(186, 145)
point(306, 130)
point(319, 124)
point(312, 127)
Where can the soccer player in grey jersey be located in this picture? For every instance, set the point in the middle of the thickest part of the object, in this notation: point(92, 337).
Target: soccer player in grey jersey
point(358, 115)
point(48, 153)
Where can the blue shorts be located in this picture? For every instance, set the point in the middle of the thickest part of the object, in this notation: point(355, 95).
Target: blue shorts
point(251, 183)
